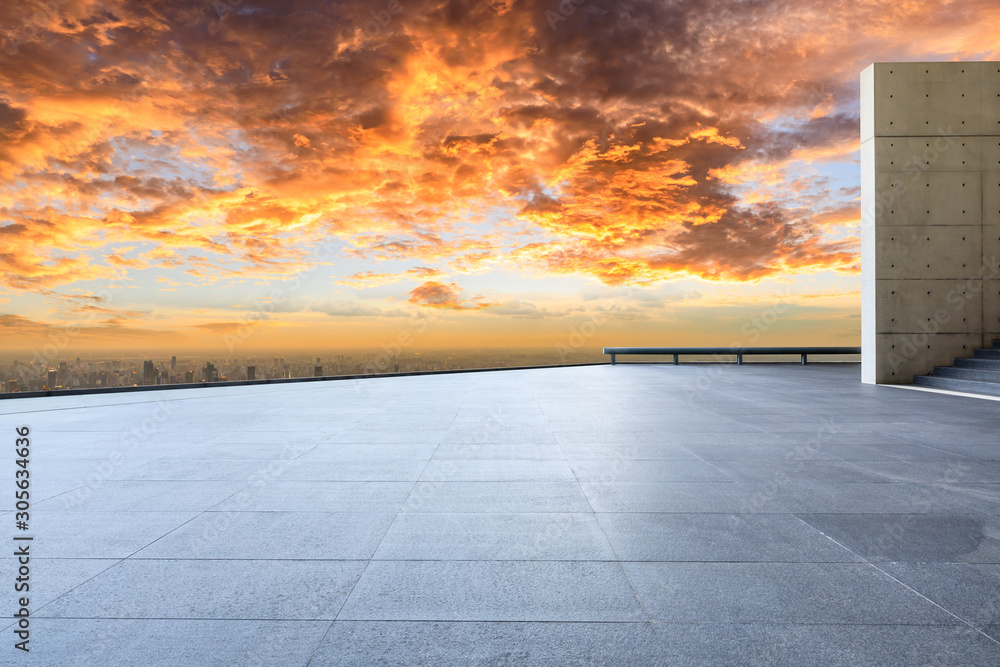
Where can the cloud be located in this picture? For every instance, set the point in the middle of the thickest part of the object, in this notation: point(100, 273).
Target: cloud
point(633, 142)
point(523, 310)
point(219, 327)
point(433, 294)
point(18, 330)
point(352, 308)
point(373, 279)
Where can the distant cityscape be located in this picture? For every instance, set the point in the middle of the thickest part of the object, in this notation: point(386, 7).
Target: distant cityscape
point(97, 370)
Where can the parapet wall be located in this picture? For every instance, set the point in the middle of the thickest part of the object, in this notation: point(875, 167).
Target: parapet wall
point(930, 226)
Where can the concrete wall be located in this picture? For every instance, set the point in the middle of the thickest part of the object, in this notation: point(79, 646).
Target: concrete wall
point(930, 222)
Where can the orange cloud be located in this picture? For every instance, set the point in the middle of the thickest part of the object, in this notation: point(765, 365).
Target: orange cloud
point(632, 143)
point(433, 294)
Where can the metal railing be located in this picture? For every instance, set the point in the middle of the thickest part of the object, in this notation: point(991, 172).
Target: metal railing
point(804, 352)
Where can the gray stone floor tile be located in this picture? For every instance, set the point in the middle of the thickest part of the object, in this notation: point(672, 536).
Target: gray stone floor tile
point(43, 488)
point(363, 470)
point(288, 449)
point(724, 497)
point(212, 589)
point(72, 642)
point(195, 470)
point(399, 436)
point(51, 578)
point(492, 452)
point(302, 496)
point(143, 496)
point(498, 470)
point(492, 432)
point(121, 451)
point(601, 470)
point(662, 436)
point(765, 645)
point(885, 452)
point(395, 421)
point(297, 434)
point(975, 449)
point(770, 451)
point(627, 452)
point(467, 536)
point(470, 414)
point(826, 472)
point(719, 537)
point(354, 452)
point(492, 591)
point(778, 593)
point(404, 643)
point(992, 630)
point(464, 488)
point(274, 535)
point(935, 472)
point(107, 534)
point(444, 496)
point(971, 592)
point(47, 469)
point(923, 538)
point(863, 498)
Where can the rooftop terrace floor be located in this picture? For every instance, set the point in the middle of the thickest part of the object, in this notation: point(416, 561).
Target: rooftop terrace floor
point(635, 514)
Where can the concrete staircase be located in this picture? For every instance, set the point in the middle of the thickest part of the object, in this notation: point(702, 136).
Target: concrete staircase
point(978, 375)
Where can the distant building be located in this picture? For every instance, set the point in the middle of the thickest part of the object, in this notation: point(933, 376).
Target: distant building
point(209, 373)
point(51, 383)
point(189, 377)
point(148, 373)
point(251, 372)
point(318, 371)
point(173, 365)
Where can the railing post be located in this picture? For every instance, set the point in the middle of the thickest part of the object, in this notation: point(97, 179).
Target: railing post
point(803, 358)
point(675, 359)
point(612, 358)
point(739, 359)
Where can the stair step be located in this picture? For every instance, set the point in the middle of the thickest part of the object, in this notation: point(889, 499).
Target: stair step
point(954, 384)
point(982, 364)
point(987, 354)
point(979, 374)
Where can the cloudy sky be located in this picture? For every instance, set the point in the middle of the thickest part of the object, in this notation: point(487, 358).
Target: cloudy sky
point(247, 174)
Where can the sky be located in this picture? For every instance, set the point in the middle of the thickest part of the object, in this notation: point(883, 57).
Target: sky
point(243, 175)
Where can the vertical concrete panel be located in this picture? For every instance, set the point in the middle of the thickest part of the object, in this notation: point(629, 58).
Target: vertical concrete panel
point(869, 208)
point(991, 311)
point(930, 190)
point(991, 188)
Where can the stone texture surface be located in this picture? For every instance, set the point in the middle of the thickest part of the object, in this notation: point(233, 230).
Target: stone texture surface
point(775, 514)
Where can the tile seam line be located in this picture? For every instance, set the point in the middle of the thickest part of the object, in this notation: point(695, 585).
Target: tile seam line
point(871, 564)
point(359, 620)
point(466, 620)
point(399, 511)
point(622, 622)
point(118, 562)
point(617, 559)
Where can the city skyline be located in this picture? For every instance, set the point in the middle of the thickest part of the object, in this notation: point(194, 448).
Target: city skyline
point(96, 372)
point(236, 176)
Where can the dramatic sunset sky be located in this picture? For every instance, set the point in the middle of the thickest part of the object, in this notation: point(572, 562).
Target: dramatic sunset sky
point(515, 169)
